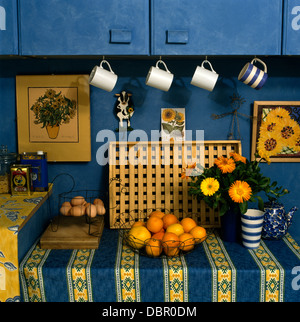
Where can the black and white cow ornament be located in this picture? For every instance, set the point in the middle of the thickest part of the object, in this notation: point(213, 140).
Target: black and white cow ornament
point(124, 109)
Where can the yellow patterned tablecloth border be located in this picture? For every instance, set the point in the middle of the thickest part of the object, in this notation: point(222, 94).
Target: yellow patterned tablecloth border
point(292, 244)
point(175, 279)
point(127, 274)
point(272, 274)
point(224, 272)
point(30, 274)
point(79, 275)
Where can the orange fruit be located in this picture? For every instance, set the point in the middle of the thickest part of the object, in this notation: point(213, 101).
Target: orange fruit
point(154, 224)
point(157, 213)
point(176, 229)
point(137, 236)
point(153, 247)
point(139, 223)
point(170, 243)
point(187, 242)
point(159, 235)
point(199, 233)
point(188, 224)
point(169, 219)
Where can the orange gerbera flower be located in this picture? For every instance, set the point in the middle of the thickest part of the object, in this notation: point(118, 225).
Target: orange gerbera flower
point(187, 172)
point(237, 157)
point(226, 165)
point(240, 191)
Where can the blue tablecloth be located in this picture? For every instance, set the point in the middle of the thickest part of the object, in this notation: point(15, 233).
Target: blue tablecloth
point(214, 271)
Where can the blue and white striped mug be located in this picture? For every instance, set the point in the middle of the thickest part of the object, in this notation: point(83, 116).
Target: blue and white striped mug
point(252, 223)
point(253, 76)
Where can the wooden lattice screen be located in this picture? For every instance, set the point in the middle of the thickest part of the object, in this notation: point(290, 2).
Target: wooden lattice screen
point(145, 176)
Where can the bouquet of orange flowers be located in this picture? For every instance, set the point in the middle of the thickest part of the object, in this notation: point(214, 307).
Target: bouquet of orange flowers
point(232, 181)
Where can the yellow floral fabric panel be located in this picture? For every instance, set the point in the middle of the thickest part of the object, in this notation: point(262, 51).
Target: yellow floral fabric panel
point(14, 210)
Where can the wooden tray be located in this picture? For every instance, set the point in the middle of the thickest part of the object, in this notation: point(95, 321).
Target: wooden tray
point(73, 233)
point(145, 176)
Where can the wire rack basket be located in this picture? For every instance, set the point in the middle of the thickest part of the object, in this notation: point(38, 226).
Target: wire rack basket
point(85, 199)
point(151, 247)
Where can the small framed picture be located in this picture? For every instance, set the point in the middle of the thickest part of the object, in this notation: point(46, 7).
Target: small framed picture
point(276, 131)
point(173, 124)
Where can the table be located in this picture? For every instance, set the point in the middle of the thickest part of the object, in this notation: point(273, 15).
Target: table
point(214, 271)
point(15, 240)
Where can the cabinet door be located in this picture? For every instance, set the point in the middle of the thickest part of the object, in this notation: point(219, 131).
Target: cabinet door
point(8, 27)
point(80, 27)
point(216, 27)
point(291, 28)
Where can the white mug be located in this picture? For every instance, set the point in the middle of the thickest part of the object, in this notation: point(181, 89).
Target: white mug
point(205, 78)
point(159, 78)
point(103, 78)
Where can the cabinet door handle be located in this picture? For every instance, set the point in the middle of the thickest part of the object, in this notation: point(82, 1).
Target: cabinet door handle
point(120, 36)
point(177, 36)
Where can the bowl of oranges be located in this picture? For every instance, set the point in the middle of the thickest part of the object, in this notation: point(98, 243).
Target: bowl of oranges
point(163, 234)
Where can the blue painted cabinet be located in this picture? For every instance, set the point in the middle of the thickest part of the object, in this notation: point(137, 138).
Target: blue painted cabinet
point(291, 28)
point(216, 27)
point(8, 27)
point(80, 27)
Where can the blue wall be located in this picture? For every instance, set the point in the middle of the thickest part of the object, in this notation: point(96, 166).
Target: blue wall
point(283, 84)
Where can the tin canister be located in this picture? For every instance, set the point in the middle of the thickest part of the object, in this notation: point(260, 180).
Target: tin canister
point(21, 183)
point(6, 160)
point(39, 169)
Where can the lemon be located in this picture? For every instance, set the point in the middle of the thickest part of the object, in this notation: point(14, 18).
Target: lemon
point(176, 229)
point(137, 236)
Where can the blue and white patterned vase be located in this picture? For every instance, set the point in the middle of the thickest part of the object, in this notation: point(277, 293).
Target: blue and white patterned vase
point(276, 220)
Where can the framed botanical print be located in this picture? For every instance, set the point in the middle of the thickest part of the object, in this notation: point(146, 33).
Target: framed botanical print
point(173, 124)
point(53, 115)
point(276, 131)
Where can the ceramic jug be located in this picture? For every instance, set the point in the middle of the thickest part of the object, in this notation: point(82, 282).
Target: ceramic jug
point(276, 220)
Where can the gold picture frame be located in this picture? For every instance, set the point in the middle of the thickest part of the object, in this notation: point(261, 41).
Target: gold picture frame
point(53, 115)
point(265, 130)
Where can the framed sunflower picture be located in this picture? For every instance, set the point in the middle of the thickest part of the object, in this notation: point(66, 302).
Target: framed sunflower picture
point(53, 115)
point(173, 124)
point(276, 131)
